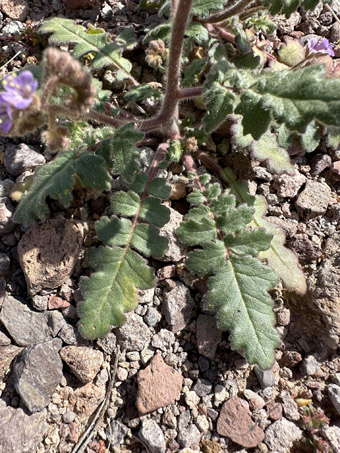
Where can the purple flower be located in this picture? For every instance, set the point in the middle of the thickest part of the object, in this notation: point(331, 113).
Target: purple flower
point(5, 116)
point(316, 45)
point(19, 89)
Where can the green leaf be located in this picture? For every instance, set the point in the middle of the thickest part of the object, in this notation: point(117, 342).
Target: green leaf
point(196, 197)
point(161, 31)
point(294, 98)
point(159, 188)
point(198, 213)
point(219, 104)
point(203, 7)
point(114, 231)
point(193, 71)
point(112, 289)
point(249, 242)
point(310, 140)
point(207, 260)
point(333, 137)
point(56, 180)
point(239, 295)
point(223, 204)
point(125, 203)
point(194, 232)
point(198, 33)
point(138, 93)
point(92, 171)
point(127, 38)
point(152, 211)
point(124, 153)
point(235, 219)
point(213, 191)
point(147, 240)
point(65, 31)
point(139, 183)
point(267, 150)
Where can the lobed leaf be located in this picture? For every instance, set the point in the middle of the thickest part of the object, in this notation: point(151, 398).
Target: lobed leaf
point(204, 7)
point(112, 289)
point(238, 293)
point(206, 261)
point(65, 31)
point(194, 232)
point(249, 242)
point(235, 219)
point(152, 211)
point(125, 203)
point(219, 104)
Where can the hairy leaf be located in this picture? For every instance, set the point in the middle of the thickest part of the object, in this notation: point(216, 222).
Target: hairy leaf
point(219, 103)
point(56, 180)
point(138, 93)
point(294, 98)
point(114, 231)
point(148, 241)
point(204, 7)
point(206, 261)
point(65, 31)
point(124, 153)
point(197, 232)
point(193, 71)
point(239, 295)
point(235, 219)
point(152, 211)
point(159, 188)
point(125, 203)
point(249, 242)
point(112, 289)
point(198, 33)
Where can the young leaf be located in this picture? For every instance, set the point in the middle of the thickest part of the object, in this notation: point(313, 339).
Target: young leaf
point(92, 171)
point(249, 242)
point(239, 295)
point(148, 241)
point(138, 93)
point(152, 211)
point(198, 33)
point(125, 203)
point(193, 71)
point(65, 31)
point(159, 188)
point(112, 289)
point(267, 150)
point(235, 219)
point(196, 197)
point(114, 231)
point(194, 232)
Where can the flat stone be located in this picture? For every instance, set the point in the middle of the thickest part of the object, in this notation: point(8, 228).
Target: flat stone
point(6, 213)
point(287, 186)
point(235, 423)
point(16, 10)
point(36, 373)
point(208, 335)
point(163, 340)
point(85, 400)
point(7, 355)
point(134, 334)
point(266, 377)
point(313, 200)
point(152, 436)
point(290, 408)
point(84, 362)
point(20, 158)
point(202, 387)
point(334, 395)
point(158, 386)
point(255, 400)
point(281, 435)
point(48, 253)
point(116, 432)
point(19, 432)
point(177, 307)
point(332, 434)
point(26, 326)
point(309, 366)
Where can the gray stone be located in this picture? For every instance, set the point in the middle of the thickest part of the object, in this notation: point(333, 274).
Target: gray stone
point(7, 355)
point(19, 432)
point(202, 387)
point(281, 435)
point(152, 316)
point(20, 158)
point(5, 187)
point(152, 436)
point(287, 186)
point(309, 366)
point(116, 432)
point(286, 26)
point(313, 200)
point(290, 408)
point(36, 373)
point(255, 400)
point(6, 213)
point(24, 325)
point(40, 302)
point(14, 27)
point(266, 377)
point(176, 250)
point(208, 335)
point(163, 340)
point(320, 162)
point(69, 417)
point(5, 264)
point(189, 437)
point(334, 395)
point(177, 307)
point(134, 334)
point(108, 344)
point(332, 434)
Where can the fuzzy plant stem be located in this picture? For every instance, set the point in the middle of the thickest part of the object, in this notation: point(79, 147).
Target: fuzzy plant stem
point(187, 93)
point(105, 119)
point(233, 10)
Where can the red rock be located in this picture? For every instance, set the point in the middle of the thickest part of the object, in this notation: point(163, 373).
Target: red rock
point(82, 4)
point(336, 167)
point(84, 362)
point(235, 422)
point(274, 411)
point(16, 10)
point(158, 386)
point(55, 302)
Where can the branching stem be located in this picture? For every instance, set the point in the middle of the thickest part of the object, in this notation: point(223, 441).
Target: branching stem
point(223, 15)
